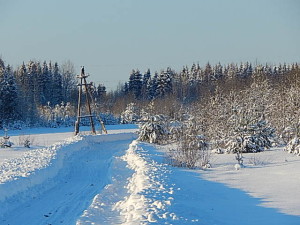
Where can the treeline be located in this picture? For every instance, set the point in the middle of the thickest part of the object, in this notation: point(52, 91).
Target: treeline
point(171, 88)
point(46, 93)
point(190, 84)
point(35, 88)
point(231, 105)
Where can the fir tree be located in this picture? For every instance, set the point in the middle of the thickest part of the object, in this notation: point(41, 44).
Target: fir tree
point(9, 107)
point(47, 83)
point(57, 86)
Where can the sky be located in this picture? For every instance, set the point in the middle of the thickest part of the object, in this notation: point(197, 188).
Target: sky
point(112, 37)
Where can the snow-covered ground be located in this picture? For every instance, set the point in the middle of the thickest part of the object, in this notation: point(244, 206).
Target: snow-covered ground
point(45, 137)
point(272, 175)
point(114, 179)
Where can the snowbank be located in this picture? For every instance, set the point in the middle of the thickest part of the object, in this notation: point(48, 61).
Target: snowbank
point(139, 194)
point(148, 192)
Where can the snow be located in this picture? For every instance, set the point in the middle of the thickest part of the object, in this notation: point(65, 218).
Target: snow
point(45, 137)
point(115, 179)
point(275, 179)
point(59, 181)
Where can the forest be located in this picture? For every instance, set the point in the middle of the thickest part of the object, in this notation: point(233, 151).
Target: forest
point(222, 100)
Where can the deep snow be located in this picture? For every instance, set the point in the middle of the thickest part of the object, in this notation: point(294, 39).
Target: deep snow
point(114, 179)
point(275, 178)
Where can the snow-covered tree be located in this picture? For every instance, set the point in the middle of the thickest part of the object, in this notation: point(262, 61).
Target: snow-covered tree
point(4, 141)
point(59, 115)
point(154, 130)
point(145, 82)
point(152, 87)
point(47, 83)
point(164, 83)
point(135, 83)
point(250, 134)
point(131, 114)
point(9, 104)
point(293, 146)
point(68, 82)
point(57, 96)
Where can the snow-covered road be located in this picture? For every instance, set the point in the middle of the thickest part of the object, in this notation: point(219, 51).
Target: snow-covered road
point(60, 192)
point(83, 176)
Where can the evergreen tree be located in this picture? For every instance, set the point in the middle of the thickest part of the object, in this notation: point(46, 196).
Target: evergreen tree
point(164, 83)
point(131, 84)
point(9, 107)
point(57, 86)
point(208, 72)
point(135, 83)
point(146, 80)
point(218, 72)
point(101, 92)
point(152, 87)
point(68, 85)
point(126, 88)
point(47, 83)
point(38, 86)
point(21, 79)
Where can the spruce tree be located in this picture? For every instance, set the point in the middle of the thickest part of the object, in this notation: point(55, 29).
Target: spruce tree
point(9, 108)
point(57, 86)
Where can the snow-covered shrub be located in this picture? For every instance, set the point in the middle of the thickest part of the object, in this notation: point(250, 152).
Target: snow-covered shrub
point(154, 130)
point(190, 153)
point(258, 161)
point(293, 146)
point(4, 141)
point(286, 135)
point(131, 114)
point(27, 143)
point(252, 137)
point(59, 115)
point(239, 157)
point(26, 140)
point(145, 116)
point(191, 147)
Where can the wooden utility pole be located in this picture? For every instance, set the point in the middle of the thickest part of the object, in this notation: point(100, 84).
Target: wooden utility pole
point(83, 82)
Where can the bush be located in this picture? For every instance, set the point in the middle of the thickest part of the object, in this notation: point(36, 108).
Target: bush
point(293, 146)
point(26, 140)
point(154, 130)
point(131, 114)
point(192, 148)
point(190, 153)
point(252, 138)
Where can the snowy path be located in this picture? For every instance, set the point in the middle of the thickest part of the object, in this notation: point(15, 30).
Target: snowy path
point(63, 198)
point(156, 193)
point(45, 137)
point(140, 194)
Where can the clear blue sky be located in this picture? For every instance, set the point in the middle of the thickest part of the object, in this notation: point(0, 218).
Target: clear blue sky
point(112, 37)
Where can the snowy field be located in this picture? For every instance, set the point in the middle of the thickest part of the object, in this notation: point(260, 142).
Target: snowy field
point(114, 179)
point(272, 175)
